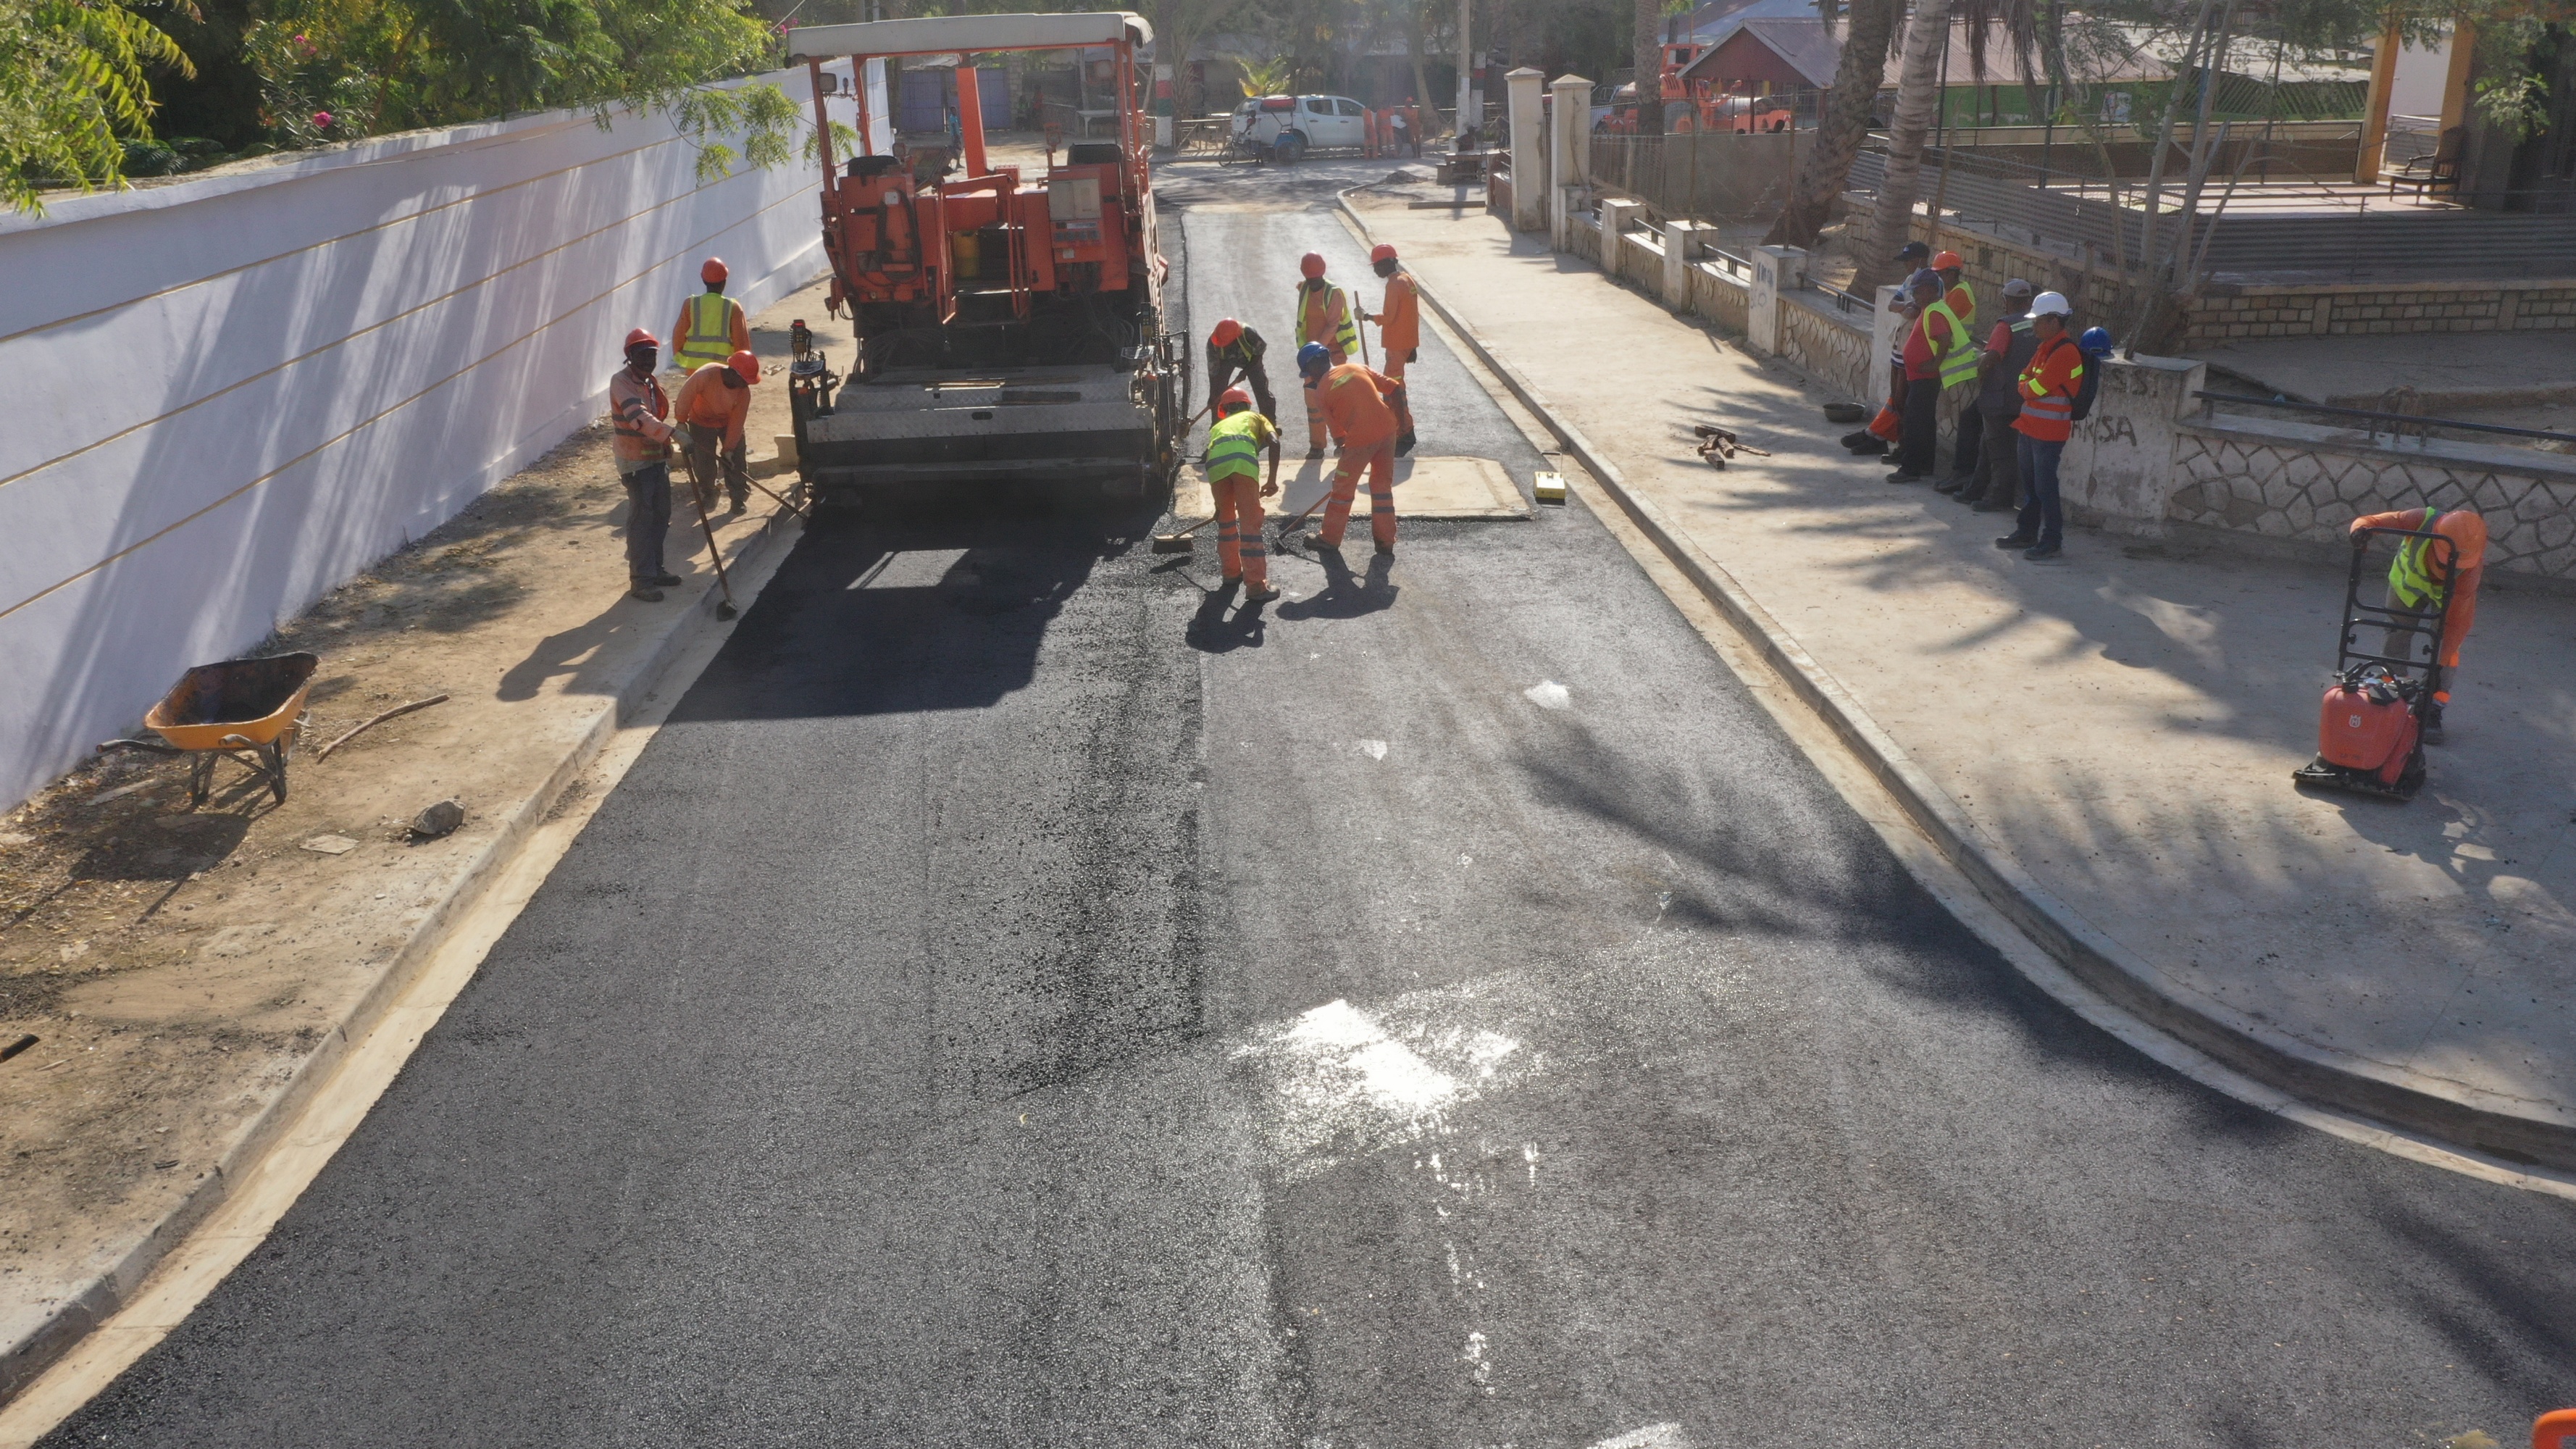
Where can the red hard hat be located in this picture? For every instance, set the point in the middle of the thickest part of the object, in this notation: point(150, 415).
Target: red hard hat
point(1946, 261)
point(1231, 399)
point(1226, 331)
point(713, 272)
point(641, 338)
point(746, 366)
point(1313, 265)
point(1385, 252)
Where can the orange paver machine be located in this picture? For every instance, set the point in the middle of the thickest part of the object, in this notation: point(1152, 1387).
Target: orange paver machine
point(1009, 318)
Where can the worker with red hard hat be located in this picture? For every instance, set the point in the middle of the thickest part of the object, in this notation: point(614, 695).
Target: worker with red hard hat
point(1362, 406)
point(712, 326)
point(1236, 350)
point(640, 440)
point(713, 404)
point(2423, 577)
point(1235, 443)
point(1323, 319)
point(1399, 328)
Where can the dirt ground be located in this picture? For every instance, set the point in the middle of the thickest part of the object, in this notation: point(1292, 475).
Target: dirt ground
point(174, 966)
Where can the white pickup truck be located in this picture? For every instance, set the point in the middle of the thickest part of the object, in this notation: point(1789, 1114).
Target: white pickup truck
point(1284, 128)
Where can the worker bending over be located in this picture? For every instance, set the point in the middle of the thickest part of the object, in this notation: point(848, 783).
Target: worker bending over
point(714, 403)
point(2420, 578)
point(1235, 443)
point(1234, 350)
point(1399, 329)
point(1323, 320)
point(712, 327)
point(1360, 404)
point(641, 442)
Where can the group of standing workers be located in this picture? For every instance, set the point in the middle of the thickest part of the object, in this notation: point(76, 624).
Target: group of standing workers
point(2033, 385)
point(1362, 410)
point(711, 348)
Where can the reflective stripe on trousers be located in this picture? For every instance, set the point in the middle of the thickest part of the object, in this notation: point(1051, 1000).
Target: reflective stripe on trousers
point(1379, 459)
point(1239, 550)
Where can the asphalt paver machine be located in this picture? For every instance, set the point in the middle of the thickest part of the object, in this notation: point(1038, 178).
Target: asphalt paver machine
point(1010, 324)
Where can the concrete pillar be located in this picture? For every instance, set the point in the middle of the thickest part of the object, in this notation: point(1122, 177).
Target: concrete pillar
point(1777, 271)
point(1164, 127)
point(1569, 145)
point(1616, 218)
point(1682, 242)
point(2374, 110)
point(2455, 82)
point(1524, 114)
point(2118, 472)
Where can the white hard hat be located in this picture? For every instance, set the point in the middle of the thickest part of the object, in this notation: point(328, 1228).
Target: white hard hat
point(2051, 304)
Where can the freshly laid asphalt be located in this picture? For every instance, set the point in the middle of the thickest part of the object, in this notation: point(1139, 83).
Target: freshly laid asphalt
point(1017, 1002)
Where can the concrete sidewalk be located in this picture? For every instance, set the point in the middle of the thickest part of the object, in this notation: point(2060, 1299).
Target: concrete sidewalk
point(2120, 726)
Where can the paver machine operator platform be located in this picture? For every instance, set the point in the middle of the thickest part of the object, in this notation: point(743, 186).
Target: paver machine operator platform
point(1010, 327)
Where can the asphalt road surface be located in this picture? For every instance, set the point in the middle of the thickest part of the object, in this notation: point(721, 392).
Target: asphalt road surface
point(1012, 1004)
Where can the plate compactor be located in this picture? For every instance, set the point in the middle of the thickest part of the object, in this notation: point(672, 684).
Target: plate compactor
point(2370, 730)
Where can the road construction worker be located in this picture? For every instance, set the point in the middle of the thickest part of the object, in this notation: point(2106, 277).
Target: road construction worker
point(1361, 405)
point(1236, 350)
point(2420, 578)
point(1323, 320)
point(1993, 484)
point(640, 439)
point(712, 326)
point(2047, 388)
point(1961, 299)
point(1399, 329)
point(1939, 355)
point(714, 403)
point(1235, 443)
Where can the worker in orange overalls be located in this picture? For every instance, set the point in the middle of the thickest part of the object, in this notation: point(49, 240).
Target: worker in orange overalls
point(712, 326)
point(713, 404)
point(2420, 578)
point(1324, 319)
point(1361, 404)
point(1399, 329)
point(1236, 441)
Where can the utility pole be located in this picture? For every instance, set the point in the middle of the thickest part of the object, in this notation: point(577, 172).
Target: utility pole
point(1466, 73)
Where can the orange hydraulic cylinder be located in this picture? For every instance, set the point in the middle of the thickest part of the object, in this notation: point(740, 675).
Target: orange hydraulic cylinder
point(970, 120)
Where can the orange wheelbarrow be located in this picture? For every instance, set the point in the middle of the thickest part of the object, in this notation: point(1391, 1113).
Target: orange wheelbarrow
point(249, 710)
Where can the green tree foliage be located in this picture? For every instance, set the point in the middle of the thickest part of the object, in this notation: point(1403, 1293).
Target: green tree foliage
point(73, 90)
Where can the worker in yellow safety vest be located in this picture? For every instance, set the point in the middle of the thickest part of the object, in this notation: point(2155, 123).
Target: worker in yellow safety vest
point(712, 327)
point(1235, 443)
point(2421, 578)
point(1324, 317)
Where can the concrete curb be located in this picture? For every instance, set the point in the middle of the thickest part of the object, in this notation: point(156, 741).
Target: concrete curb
point(2406, 1100)
point(25, 1360)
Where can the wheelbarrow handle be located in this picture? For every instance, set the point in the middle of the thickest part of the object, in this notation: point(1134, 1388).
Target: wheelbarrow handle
point(148, 746)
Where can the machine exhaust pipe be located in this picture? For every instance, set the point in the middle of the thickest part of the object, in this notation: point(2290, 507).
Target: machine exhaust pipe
point(970, 120)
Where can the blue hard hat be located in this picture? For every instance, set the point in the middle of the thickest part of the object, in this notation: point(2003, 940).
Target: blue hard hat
point(1313, 358)
point(2096, 341)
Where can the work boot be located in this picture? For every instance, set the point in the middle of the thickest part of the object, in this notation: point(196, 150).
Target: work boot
point(643, 589)
point(2016, 540)
point(662, 581)
point(2432, 719)
point(1261, 595)
point(1315, 541)
point(1950, 485)
point(1902, 476)
point(1387, 548)
point(2040, 553)
point(1997, 505)
point(740, 501)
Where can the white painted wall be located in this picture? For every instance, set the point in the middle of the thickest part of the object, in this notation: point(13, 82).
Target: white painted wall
point(238, 390)
point(2422, 74)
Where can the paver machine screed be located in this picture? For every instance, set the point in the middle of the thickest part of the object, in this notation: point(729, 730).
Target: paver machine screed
point(1010, 326)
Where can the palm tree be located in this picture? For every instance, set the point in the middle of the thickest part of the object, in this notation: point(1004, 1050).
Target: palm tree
point(1269, 76)
point(72, 90)
point(1648, 48)
point(1918, 92)
point(1843, 122)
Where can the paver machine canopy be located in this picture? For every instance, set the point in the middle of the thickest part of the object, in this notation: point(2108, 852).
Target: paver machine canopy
point(1010, 325)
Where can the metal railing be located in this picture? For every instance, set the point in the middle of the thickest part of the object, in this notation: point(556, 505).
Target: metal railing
point(2398, 424)
point(1847, 302)
point(1729, 263)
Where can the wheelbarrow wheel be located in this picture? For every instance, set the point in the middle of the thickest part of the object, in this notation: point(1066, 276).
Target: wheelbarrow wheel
point(273, 761)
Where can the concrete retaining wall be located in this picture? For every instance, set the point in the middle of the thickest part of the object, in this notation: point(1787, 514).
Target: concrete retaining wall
point(247, 386)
